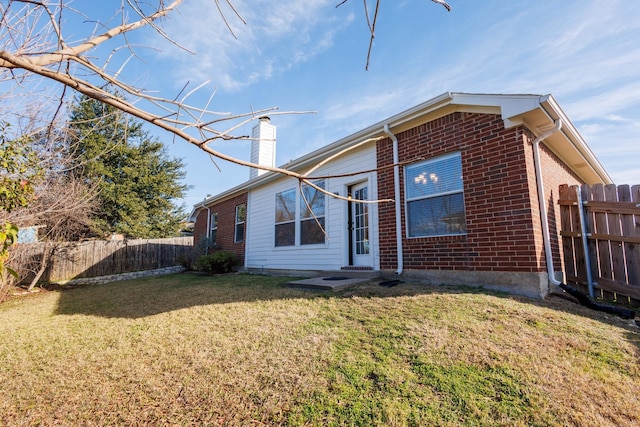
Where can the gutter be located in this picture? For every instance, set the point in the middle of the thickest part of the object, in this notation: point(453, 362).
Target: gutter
point(552, 110)
point(396, 185)
point(544, 219)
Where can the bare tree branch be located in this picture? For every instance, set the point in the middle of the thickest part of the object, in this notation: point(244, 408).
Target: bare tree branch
point(371, 21)
point(443, 3)
point(32, 42)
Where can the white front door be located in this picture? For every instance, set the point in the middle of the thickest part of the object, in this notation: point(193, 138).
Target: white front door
point(359, 227)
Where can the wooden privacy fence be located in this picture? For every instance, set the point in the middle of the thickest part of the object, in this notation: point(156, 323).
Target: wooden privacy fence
point(611, 219)
point(101, 258)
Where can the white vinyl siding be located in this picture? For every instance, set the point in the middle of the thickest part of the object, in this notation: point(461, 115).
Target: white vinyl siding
point(262, 251)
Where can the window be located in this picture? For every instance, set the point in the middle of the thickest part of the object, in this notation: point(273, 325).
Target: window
point(312, 214)
point(291, 222)
point(286, 218)
point(435, 199)
point(213, 231)
point(241, 213)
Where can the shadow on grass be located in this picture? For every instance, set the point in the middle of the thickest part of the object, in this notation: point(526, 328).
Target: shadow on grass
point(154, 295)
point(160, 294)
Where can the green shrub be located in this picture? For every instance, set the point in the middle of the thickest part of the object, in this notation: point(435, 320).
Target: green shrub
point(217, 262)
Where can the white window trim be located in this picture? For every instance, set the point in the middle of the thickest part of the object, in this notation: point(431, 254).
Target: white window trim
point(298, 222)
point(237, 223)
point(445, 193)
point(289, 221)
point(212, 228)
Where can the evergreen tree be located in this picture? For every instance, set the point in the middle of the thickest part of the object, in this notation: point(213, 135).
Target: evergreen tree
point(138, 182)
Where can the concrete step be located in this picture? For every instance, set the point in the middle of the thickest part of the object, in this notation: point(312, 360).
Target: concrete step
point(327, 283)
point(345, 272)
point(335, 280)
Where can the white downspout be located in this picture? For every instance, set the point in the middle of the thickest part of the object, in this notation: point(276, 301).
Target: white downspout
point(544, 219)
point(396, 185)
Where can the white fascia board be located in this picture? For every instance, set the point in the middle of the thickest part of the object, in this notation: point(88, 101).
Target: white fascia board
point(511, 107)
point(551, 107)
point(440, 102)
point(194, 213)
point(232, 192)
point(373, 131)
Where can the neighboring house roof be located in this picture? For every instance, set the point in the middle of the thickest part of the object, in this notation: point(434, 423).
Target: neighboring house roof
point(538, 113)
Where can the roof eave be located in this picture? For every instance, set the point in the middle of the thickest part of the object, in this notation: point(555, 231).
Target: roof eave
point(537, 112)
point(569, 145)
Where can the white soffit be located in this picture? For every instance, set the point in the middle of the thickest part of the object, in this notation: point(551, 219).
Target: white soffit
point(536, 112)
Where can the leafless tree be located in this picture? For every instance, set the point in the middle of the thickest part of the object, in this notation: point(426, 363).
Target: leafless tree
point(61, 207)
point(61, 212)
point(34, 41)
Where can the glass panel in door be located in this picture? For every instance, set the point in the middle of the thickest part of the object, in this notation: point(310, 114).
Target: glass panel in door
point(360, 231)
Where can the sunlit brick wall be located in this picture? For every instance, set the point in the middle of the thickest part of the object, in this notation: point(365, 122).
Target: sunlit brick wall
point(226, 211)
point(502, 217)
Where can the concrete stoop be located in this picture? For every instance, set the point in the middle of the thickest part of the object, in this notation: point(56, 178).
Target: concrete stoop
point(327, 283)
point(335, 280)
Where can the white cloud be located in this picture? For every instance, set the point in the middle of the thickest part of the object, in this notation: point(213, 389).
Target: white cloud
point(605, 103)
point(617, 118)
point(614, 141)
point(585, 53)
point(348, 109)
point(278, 35)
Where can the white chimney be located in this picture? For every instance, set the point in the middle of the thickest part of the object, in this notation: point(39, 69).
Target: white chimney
point(263, 146)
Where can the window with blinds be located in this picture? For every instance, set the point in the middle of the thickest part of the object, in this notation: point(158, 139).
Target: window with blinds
point(434, 197)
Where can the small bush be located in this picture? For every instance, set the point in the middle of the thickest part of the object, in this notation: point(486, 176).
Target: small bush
point(217, 263)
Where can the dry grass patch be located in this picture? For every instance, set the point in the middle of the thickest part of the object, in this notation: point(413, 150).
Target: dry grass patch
point(242, 350)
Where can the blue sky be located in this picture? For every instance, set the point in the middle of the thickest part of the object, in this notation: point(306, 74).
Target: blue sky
point(310, 55)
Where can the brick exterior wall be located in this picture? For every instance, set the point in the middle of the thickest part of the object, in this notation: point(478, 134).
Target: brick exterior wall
point(502, 215)
point(226, 211)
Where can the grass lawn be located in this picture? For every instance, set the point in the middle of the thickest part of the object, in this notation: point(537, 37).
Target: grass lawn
point(188, 349)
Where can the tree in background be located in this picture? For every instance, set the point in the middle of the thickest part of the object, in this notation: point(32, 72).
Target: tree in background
point(34, 40)
point(18, 169)
point(37, 191)
point(137, 181)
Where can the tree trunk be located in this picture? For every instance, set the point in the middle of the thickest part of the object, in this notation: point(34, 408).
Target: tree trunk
point(46, 256)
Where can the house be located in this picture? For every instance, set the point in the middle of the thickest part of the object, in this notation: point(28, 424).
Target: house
point(470, 176)
point(29, 234)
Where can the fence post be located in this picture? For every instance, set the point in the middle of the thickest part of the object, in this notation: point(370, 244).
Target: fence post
point(585, 244)
point(631, 228)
